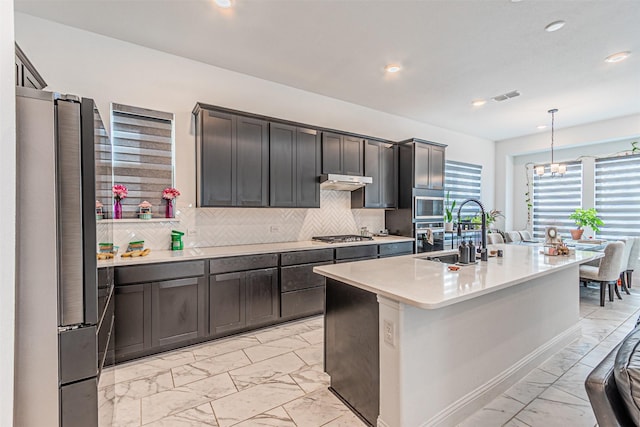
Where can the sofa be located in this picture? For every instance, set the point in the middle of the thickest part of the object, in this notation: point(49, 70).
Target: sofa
point(613, 386)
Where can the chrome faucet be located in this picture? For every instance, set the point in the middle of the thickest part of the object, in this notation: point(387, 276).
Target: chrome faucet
point(483, 252)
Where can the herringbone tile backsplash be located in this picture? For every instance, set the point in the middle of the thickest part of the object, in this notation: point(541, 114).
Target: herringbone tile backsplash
point(204, 227)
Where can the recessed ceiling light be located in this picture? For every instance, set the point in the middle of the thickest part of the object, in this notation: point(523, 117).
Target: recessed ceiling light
point(223, 3)
point(617, 57)
point(541, 127)
point(392, 68)
point(478, 102)
point(554, 26)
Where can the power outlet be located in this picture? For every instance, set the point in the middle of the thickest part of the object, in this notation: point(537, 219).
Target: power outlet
point(192, 232)
point(389, 332)
point(274, 229)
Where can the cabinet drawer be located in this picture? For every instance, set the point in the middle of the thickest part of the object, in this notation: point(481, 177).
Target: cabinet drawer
point(304, 302)
point(158, 272)
point(340, 261)
point(306, 257)
point(242, 263)
point(400, 248)
point(357, 252)
point(297, 277)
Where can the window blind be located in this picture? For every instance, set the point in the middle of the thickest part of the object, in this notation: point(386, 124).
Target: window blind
point(463, 181)
point(142, 155)
point(104, 174)
point(618, 196)
point(555, 198)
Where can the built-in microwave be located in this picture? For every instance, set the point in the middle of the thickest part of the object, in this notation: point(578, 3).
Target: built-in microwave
point(428, 208)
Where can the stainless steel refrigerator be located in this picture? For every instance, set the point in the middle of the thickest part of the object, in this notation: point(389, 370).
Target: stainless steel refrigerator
point(57, 367)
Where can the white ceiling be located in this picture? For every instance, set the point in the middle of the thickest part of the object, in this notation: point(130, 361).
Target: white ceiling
point(451, 51)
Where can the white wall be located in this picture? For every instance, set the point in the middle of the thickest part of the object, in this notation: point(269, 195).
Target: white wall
point(596, 139)
point(8, 210)
point(109, 70)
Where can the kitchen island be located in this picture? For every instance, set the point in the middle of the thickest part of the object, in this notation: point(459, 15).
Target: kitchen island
point(410, 343)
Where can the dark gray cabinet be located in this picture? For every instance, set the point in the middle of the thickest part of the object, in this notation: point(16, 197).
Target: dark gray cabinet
point(152, 314)
point(178, 310)
point(380, 163)
point(132, 320)
point(395, 249)
point(243, 292)
point(342, 154)
point(302, 290)
point(294, 166)
point(428, 165)
point(232, 160)
point(26, 73)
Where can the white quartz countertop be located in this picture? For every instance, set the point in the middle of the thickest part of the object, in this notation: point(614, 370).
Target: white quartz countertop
point(430, 285)
point(225, 251)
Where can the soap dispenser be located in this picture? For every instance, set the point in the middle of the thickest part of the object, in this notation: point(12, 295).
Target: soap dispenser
point(472, 252)
point(463, 253)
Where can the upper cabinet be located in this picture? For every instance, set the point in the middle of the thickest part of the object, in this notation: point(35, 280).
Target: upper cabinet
point(342, 154)
point(26, 73)
point(294, 166)
point(232, 159)
point(380, 163)
point(421, 167)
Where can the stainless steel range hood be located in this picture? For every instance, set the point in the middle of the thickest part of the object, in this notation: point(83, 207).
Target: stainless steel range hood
point(343, 182)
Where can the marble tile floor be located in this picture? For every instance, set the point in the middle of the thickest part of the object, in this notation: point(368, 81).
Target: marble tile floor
point(274, 377)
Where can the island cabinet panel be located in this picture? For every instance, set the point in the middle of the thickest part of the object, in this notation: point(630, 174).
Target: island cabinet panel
point(352, 356)
point(342, 154)
point(294, 166)
point(380, 163)
point(243, 293)
point(178, 310)
point(232, 164)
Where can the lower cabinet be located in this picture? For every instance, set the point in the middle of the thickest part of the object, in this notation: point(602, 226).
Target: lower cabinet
point(178, 310)
point(158, 314)
point(241, 299)
point(133, 319)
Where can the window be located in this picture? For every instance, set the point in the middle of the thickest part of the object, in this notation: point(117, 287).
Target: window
point(463, 181)
point(142, 155)
point(618, 195)
point(555, 198)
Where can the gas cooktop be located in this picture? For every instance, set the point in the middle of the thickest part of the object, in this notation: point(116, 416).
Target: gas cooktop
point(343, 238)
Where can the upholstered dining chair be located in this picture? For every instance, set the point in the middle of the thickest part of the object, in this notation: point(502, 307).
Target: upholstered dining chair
point(628, 245)
point(607, 272)
point(525, 235)
point(512, 237)
point(633, 263)
point(494, 238)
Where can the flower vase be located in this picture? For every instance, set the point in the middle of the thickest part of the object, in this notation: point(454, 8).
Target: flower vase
point(117, 209)
point(169, 211)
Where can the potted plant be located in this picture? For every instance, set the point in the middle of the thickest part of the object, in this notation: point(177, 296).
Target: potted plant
point(490, 217)
point(448, 213)
point(585, 218)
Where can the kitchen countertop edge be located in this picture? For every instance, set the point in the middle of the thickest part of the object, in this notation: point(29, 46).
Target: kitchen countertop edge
point(192, 254)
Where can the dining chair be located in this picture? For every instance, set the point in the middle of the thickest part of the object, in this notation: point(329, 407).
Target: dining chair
point(607, 272)
point(525, 235)
point(633, 262)
point(494, 238)
point(513, 237)
point(628, 245)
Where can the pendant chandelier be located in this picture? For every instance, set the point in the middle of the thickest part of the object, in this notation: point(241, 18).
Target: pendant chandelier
point(556, 169)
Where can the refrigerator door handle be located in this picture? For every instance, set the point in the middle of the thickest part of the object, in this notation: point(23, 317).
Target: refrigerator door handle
point(69, 211)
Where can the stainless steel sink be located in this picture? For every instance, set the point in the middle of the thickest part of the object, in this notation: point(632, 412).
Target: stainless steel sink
point(445, 258)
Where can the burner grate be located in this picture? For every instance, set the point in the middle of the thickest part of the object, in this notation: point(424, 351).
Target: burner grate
point(343, 238)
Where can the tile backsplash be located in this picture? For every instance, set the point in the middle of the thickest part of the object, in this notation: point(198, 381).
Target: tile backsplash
point(204, 227)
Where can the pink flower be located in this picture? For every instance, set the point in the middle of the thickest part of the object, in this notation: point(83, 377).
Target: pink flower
point(119, 191)
point(170, 193)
